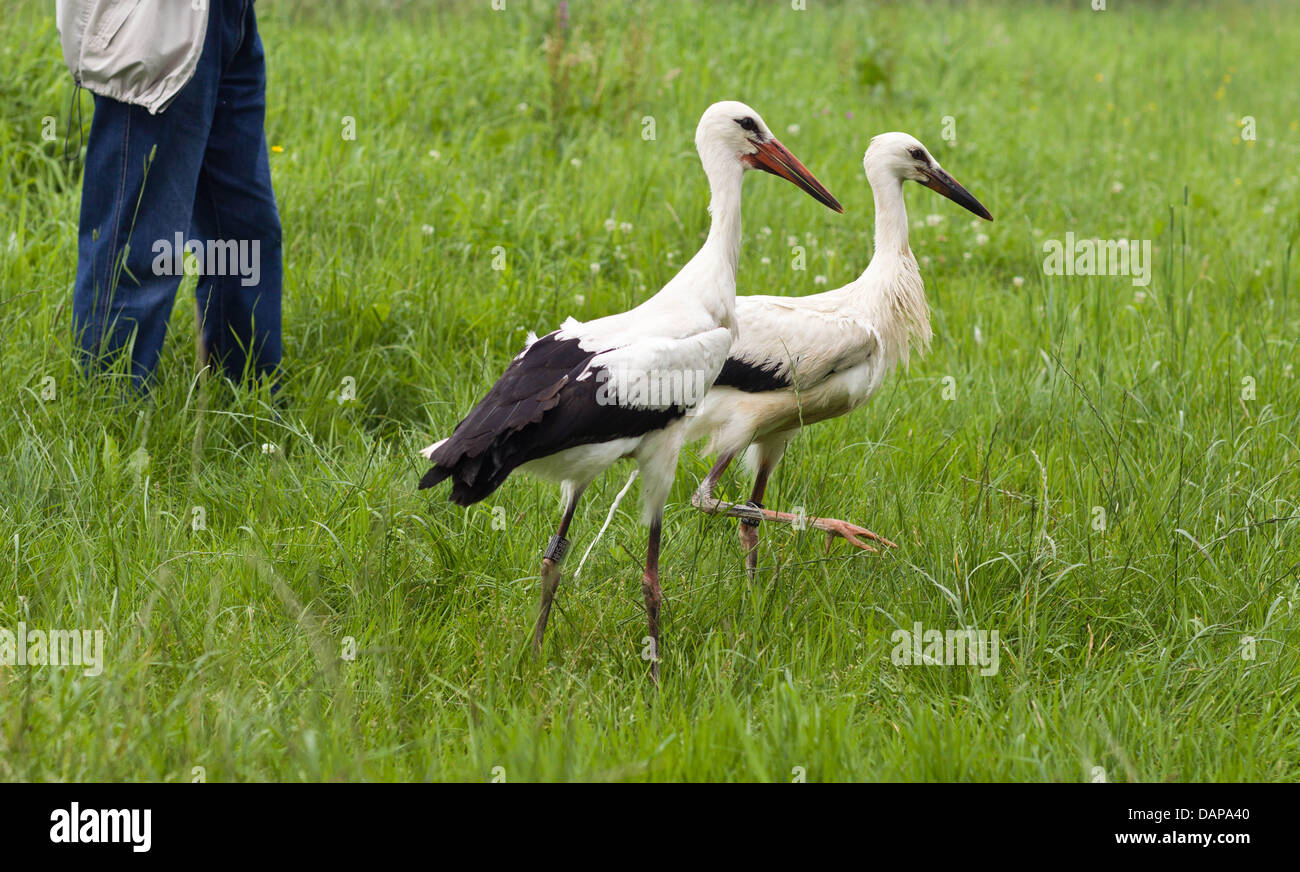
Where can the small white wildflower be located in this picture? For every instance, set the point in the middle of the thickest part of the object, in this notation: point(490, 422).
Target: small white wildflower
point(965, 255)
point(793, 130)
point(595, 268)
point(580, 298)
point(766, 231)
point(1139, 296)
point(670, 256)
point(819, 280)
point(625, 226)
point(577, 162)
point(765, 260)
point(933, 220)
point(979, 337)
point(1116, 187)
point(426, 229)
point(270, 448)
point(1018, 281)
point(610, 225)
point(435, 154)
point(982, 239)
point(792, 241)
point(522, 107)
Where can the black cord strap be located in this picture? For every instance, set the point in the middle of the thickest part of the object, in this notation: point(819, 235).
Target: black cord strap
point(75, 103)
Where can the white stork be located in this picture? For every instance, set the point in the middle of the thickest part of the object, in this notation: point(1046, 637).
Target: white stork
point(588, 394)
point(800, 360)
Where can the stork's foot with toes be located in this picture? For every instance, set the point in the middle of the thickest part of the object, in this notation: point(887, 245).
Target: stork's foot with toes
point(752, 513)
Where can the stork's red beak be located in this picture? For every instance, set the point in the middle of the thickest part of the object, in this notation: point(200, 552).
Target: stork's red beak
point(775, 158)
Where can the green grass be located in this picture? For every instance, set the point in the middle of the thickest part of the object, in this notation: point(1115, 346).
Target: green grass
point(1121, 647)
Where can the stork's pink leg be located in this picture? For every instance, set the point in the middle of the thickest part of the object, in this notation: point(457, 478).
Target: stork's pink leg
point(705, 491)
point(552, 561)
point(748, 527)
point(653, 594)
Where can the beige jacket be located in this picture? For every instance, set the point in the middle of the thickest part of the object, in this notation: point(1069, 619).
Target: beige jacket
point(135, 51)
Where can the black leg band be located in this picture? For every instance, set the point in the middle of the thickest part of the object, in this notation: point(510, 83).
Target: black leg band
point(752, 522)
point(556, 549)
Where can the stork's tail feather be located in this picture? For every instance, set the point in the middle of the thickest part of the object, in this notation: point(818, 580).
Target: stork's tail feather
point(472, 479)
point(436, 475)
point(464, 492)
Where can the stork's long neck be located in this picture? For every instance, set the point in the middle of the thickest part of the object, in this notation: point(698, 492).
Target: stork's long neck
point(709, 278)
point(891, 215)
point(890, 289)
point(723, 243)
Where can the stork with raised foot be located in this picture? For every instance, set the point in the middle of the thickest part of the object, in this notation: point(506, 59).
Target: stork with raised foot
point(580, 398)
point(800, 360)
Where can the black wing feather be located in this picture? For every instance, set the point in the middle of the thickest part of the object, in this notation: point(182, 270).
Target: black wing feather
point(537, 408)
point(752, 378)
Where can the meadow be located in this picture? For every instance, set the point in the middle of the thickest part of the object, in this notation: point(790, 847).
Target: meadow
point(1106, 474)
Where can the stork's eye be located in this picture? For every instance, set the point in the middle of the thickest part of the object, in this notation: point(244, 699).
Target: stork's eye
point(916, 154)
point(748, 124)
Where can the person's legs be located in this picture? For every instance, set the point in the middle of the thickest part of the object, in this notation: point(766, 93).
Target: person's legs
point(138, 193)
point(240, 306)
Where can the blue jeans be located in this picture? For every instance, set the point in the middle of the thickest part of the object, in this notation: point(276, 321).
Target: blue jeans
point(195, 177)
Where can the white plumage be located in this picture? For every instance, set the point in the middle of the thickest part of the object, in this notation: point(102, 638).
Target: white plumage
point(801, 360)
point(580, 398)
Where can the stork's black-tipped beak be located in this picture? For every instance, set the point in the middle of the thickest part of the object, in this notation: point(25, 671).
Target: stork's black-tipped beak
point(948, 186)
point(775, 158)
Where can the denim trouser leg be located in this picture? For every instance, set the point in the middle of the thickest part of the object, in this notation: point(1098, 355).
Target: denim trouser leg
point(235, 202)
point(128, 202)
point(199, 170)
